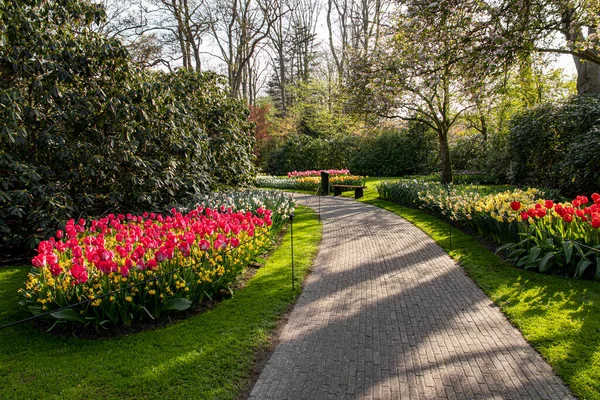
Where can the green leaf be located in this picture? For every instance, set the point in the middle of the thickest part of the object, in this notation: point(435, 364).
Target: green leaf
point(179, 304)
point(578, 248)
point(568, 247)
point(581, 267)
point(522, 262)
point(69, 315)
point(533, 254)
point(515, 254)
point(544, 266)
point(507, 246)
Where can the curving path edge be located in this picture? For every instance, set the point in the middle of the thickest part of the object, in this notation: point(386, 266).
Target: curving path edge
point(387, 314)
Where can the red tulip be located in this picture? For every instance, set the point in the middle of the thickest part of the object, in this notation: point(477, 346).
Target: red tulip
point(39, 261)
point(152, 264)
point(549, 204)
point(160, 256)
point(524, 216)
point(515, 205)
point(55, 269)
point(79, 273)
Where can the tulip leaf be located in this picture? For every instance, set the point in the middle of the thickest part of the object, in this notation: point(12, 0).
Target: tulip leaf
point(147, 312)
point(534, 253)
point(581, 267)
point(69, 315)
point(179, 304)
point(522, 261)
point(568, 247)
point(544, 266)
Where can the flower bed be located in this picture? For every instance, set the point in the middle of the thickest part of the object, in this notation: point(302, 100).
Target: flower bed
point(274, 182)
point(312, 182)
point(309, 180)
point(318, 173)
point(122, 268)
point(538, 233)
point(280, 203)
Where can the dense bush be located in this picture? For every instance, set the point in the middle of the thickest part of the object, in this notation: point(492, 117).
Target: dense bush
point(82, 131)
point(389, 153)
point(303, 152)
point(555, 145)
point(467, 153)
point(395, 153)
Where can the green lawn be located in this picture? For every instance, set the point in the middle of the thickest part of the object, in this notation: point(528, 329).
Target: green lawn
point(209, 356)
point(560, 317)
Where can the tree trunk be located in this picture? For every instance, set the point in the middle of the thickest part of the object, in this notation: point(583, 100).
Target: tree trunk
point(446, 163)
point(588, 76)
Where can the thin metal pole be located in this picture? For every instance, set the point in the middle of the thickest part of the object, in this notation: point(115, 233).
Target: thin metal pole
point(450, 219)
point(319, 203)
point(292, 245)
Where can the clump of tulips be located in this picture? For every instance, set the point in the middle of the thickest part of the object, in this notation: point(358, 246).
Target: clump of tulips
point(561, 236)
point(318, 173)
point(123, 268)
point(309, 180)
point(312, 182)
point(536, 233)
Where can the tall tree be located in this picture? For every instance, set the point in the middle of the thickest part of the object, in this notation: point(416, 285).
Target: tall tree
point(129, 22)
point(506, 31)
point(354, 26)
point(239, 28)
point(279, 38)
point(183, 22)
point(419, 75)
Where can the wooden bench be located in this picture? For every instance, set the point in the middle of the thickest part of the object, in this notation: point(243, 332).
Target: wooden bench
point(358, 190)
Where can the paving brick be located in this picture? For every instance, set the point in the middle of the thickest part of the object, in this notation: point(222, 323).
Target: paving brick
point(387, 314)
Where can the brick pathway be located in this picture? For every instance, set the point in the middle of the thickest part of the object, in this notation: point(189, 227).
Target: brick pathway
point(386, 314)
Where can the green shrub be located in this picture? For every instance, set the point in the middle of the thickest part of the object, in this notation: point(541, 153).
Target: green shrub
point(303, 152)
point(82, 131)
point(555, 146)
point(467, 153)
point(390, 153)
point(395, 153)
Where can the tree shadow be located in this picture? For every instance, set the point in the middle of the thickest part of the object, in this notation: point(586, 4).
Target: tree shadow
point(398, 324)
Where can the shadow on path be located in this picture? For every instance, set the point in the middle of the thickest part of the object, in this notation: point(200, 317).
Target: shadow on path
point(387, 314)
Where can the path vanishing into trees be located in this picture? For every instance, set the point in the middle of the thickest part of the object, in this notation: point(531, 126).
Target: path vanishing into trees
point(387, 314)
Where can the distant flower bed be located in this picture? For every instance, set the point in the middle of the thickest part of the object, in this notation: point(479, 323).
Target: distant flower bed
point(123, 268)
point(313, 182)
point(274, 182)
point(537, 232)
point(309, 180)
point(318, 173)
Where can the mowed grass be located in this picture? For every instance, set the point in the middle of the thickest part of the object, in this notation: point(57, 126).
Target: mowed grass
point(559, 316)
point(209, 356)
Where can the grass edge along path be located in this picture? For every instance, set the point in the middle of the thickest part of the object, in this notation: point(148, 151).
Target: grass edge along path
point(208, 356)
point(559, 317)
